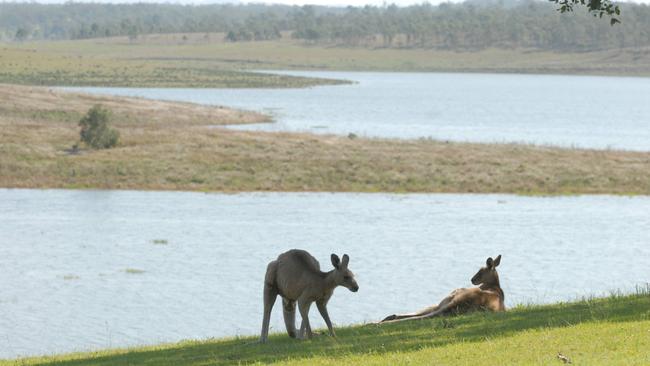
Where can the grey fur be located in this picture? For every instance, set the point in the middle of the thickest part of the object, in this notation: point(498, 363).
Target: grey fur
point(297, 278)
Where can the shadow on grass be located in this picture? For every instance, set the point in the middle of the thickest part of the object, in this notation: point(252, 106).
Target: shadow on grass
point(376, 339)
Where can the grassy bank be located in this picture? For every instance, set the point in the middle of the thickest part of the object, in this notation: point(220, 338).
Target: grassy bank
point(607, 331)
point(176, 146)
point(200, 60)
point(32, 65)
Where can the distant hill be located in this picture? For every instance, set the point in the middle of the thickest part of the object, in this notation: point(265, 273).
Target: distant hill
point(475, 24)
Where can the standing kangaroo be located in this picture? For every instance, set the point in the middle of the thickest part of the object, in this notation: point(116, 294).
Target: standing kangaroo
point(487, 297)
point(296, 276)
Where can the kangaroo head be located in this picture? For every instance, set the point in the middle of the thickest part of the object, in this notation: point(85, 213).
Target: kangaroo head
point(488, 275)
point(342, 275)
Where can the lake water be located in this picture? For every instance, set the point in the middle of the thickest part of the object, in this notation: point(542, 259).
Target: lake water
point(575, 111)
point(81, 269)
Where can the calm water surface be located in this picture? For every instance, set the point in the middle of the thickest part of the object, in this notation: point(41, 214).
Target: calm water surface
point(578, 111)
point(66, 257)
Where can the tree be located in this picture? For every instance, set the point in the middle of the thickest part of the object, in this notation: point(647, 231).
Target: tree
point(231, 36)
point(133, 34)
point(95, 131)
point(596, 7)
point(21, 34)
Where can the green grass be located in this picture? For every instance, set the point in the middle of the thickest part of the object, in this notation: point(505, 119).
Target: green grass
point(604, 331)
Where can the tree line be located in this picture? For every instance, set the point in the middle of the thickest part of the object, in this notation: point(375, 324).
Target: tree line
point(33, 21)
point(474, 24)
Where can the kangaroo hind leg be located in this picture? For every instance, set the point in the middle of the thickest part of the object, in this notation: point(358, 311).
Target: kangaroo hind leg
point(444, 308)
point(424, 311)
point(436, 310)
point(270, 295)
point(305, 327)
point(289, 312)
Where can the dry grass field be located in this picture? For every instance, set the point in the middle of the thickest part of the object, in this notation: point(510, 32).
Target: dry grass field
point(55, 106)
point(53, 64)
point(210, 50)
point(178, 146)
point(207, 61)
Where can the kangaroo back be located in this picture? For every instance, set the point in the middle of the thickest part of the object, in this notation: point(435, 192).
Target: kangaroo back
point(297, 260)
point(296, 270)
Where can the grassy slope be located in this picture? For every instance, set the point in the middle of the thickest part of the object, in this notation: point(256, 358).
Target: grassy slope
point(173, 146)
point(167, 61)
point(608, 331)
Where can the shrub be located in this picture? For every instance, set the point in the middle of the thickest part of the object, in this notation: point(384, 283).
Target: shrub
point(95, 131)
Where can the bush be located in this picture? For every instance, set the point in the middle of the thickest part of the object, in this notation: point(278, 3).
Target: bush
point(95, 131)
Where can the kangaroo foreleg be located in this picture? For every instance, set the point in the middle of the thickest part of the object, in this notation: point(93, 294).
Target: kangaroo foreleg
point(322, 309)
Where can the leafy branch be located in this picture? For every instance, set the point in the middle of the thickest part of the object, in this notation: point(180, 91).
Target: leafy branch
point(598, 8)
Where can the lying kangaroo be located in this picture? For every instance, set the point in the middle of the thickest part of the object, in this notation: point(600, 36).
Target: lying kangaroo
point(296, 276)
point(488, 296)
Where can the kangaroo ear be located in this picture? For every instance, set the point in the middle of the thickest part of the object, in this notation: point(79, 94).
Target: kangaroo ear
point(497, 261)
point(345, 261)
point(489, 262)
point(336, 262)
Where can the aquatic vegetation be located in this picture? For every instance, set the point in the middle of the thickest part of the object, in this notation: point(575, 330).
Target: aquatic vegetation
point(134, 271)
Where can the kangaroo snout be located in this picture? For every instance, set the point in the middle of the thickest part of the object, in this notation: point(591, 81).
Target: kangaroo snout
point(475, 281)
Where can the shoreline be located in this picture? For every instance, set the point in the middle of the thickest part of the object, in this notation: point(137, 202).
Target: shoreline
point(540, 195)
